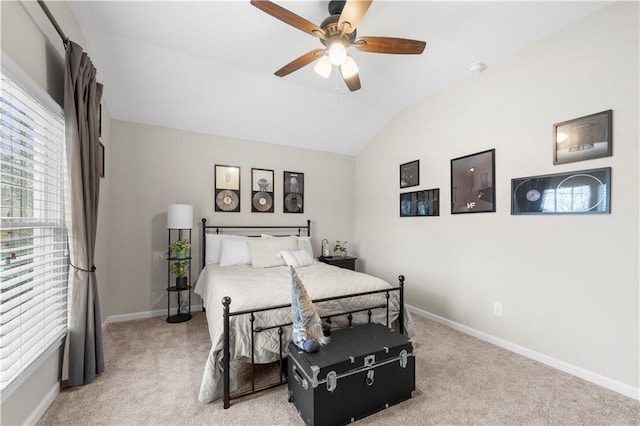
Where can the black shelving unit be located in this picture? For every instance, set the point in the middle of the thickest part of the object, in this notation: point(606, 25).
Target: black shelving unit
point(183, 311)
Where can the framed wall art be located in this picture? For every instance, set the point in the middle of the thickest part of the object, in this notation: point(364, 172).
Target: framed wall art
point(579, 192)
point(262, 191)
point(583, 138)
point(410, 174)
point(227, 188)
point(293, 192)
point(420, 203)
point(473, 183)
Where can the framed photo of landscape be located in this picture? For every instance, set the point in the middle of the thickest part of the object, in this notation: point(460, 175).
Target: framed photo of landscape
point(583, 138)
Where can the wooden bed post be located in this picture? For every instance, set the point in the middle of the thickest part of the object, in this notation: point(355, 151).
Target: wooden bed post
point(226, 301)
point(401, 313)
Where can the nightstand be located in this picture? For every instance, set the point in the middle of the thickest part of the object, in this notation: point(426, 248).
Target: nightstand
point(346, 262)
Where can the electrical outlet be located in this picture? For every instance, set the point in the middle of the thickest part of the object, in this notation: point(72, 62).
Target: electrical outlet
point(497, 309)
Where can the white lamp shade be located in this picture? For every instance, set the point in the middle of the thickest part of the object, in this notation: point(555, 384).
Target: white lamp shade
point(337, 52)
point(180, 216)
point(323, 67)
point(349, 68)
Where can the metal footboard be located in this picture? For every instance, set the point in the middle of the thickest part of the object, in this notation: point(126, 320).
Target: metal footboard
point(227, 314)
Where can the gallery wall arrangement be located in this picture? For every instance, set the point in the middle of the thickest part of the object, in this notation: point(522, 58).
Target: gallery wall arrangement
point(227, 190)
point(571, 192)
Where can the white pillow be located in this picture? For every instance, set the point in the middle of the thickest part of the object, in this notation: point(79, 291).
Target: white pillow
point(213, 242)
point(235, 252)
point(265, 252)
point(297, 258)
point(304, 243)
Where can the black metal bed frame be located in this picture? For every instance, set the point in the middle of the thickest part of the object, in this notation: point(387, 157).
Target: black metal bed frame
point(227, 314)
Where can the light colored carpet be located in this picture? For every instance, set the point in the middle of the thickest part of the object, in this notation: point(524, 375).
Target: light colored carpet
point(154, 369)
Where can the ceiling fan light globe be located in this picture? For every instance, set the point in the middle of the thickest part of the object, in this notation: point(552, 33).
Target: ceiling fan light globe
point(349, 68)
point(337, 52)
point(323, 66)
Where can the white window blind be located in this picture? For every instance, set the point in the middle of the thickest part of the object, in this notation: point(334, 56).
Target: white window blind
point(33, 251)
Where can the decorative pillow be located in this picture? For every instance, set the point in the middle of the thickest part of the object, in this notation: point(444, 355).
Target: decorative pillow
point(304, 243)
point(235, 252)
point(297, 258)
point(265, 252)
point(213, 242)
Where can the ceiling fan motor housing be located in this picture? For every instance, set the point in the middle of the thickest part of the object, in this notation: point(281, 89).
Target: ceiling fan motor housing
point(331, 31)
point(336, 7)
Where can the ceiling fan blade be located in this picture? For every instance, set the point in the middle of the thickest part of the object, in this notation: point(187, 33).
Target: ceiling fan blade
point(300, 62)
point(353, 82)
point(352, 14)
point(288, 17)
point(401, 46)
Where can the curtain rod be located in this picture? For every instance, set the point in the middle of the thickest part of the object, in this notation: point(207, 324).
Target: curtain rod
point(65, 39)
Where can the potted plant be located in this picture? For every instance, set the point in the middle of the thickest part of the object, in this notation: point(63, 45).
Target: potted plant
point(179, 269)
point(341, 246)
point(179, 248)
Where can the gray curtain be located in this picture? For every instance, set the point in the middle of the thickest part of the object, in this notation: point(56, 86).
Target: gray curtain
point(84, 357)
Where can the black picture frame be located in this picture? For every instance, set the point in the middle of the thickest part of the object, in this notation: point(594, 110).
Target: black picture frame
point(575, 192)
point(100, 159)
point(420, 203)
point(227, 188)
point(262, 186)
point(583, 138)
point(410, 174)
point(293, 190)
point(473, 183)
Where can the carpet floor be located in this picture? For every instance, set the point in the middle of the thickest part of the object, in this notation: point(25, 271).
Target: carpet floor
point(153, 372)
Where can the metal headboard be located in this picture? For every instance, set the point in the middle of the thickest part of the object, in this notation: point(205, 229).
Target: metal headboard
point(297, 229)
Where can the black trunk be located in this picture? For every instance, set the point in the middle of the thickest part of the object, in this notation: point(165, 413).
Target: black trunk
point(362, 370)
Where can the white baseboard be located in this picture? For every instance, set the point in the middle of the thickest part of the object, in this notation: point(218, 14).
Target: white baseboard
point(140, 315)
point(589, 376)
point(42, 407)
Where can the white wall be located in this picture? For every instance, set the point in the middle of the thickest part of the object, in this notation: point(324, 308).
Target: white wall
point(31, 41)
point(568, 284)
point(153, 167)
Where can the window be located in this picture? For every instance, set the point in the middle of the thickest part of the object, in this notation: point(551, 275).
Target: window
point(33, 247)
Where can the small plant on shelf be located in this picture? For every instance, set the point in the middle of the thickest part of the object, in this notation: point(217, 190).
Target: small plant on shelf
point(179, 270)
point(179, 248)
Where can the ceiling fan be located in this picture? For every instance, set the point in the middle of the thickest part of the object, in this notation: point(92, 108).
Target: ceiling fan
point(338, 32)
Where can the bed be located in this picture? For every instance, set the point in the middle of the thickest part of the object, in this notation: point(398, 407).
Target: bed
point(245, 286)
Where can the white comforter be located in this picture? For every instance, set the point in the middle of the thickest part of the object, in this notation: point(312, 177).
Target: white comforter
point(252, 287)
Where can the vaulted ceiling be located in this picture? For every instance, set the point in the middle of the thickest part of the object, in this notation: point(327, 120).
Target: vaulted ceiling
point(207, 66)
